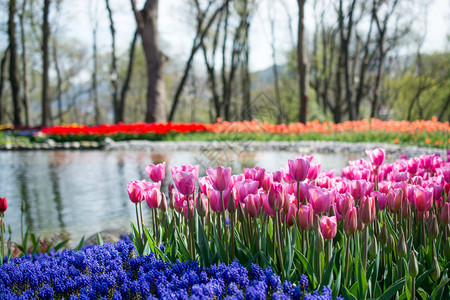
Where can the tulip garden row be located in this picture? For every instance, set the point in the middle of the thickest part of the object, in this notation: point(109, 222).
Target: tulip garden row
point(421, 132)
point(378, 230)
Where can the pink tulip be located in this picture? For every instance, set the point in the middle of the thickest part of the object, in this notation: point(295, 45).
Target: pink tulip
point(256, 174)
point(185, 181)
point(153, 198)
point(394, 199)
point(156, 172)
point(298, 168)
point(445, 214)
point(242, 188)
point(313, 171)
point(220, 177)
point(382, 199)
point(136, 191)
point(276, 196)
point(205, 184)
point(413, 165)
point(423, 199)
point(286, 175)
point(178, 200)
point(188, 213)
point(289, 217)
point(277, 176)
point(328, 227)
point(215, 201)
point(368, 210)
point(253, 205)
point(320, 199)
point(344, 202)
point(267, 182)
point(305, 217)
point(350, 221)
point(376, 156)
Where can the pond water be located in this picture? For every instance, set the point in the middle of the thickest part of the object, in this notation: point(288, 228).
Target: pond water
point(79, 193)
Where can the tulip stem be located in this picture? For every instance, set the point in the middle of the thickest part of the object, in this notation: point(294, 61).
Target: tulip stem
point(232, 236)
point(298, 194)
point(365, 246)
point(224, 220)
point(2, 239)
point(142, 220)
point(424, 241)
point(347, 257)
point(138, 221)
point(413, 288)
point(279, 246)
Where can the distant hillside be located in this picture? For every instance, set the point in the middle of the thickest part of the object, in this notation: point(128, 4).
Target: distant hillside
point(265, 77)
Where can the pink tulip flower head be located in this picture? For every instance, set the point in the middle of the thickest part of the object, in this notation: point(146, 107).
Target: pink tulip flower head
point(290, 216)
point(286, 175)
point(253, 205)
point(305, 217)
point(382, 199)
point(350, 221)
point(394, 198)
point(3, 204)
point(276, 196)
point(267, 182)
point(153, 197)
point(298, 168)
point(423, 199)
point(188, 212)
point(157, 172)
point(376, 156)
point(185, 178)
point(320, 199)
point(242, 188)
point(328, 227)
point(368, 210)
point(277, 176)
point(215, 201)
point(344, 202)
point(136, 191)
point(313, 172)
point(220, 177)
point(256, 174)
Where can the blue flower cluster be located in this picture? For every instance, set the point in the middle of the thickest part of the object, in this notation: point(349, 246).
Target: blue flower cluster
point(113, 271)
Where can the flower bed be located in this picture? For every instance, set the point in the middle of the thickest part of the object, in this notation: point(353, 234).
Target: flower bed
point(421, 132)
point(115, 272)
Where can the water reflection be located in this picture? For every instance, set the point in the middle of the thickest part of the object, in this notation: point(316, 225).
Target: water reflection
point(83, 192)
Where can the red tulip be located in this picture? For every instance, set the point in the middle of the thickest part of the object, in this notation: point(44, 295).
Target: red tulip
point(328, 227)
point(376, 156)
point(157, 172)
point(351, 221)
point(305, 217)
point(220, 177)
point(3, 204)
point(298, 168)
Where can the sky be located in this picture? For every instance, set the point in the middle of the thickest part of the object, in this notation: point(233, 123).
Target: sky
point(176, 26)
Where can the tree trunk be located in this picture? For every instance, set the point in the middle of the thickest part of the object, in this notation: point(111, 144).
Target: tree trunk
point(45, 65)
point(58, 83)
point(2, 73)
point(12, 65)
point(303, 66)
point(275, 72)
point(113, 72)
point(148, 29)
point(94, 92)
point(126, 84)
point(26, 89)
point(246, 83)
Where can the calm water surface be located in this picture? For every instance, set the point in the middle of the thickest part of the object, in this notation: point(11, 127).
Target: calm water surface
point(83, 192)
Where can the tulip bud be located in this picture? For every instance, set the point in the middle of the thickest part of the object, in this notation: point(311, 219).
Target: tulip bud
point(373, 248)
point(231, 205)
point(406, 209)
point(413, 266)
point(240, 213)
point(445, 214)
point(3, 204)
point(163, 205)
point(383, 234)
point(23, 207)
point(432, 226)
point(318, 242)
point(171, 200)
point(9, 229)
point(350, 221)
point(400, 248)
point(447, 249)
point(201, 206)
point(390, 244)
point(436, 273)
